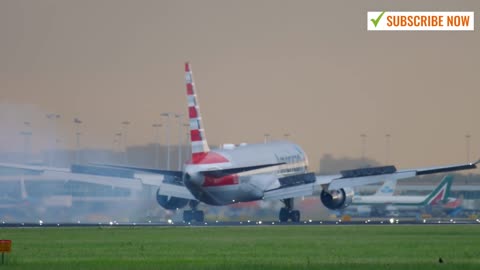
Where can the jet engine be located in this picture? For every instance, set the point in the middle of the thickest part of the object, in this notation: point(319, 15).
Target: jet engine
point(171, 203)
point(337, 199)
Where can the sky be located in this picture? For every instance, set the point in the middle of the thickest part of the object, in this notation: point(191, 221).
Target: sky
point(306, 68)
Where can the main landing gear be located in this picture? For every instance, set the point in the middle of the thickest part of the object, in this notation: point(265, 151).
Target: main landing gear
point(287, 212)
point(193, 214)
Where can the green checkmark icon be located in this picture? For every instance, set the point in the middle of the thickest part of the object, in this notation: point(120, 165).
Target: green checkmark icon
point(375, 21)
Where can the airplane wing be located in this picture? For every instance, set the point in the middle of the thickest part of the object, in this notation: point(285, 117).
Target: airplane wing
point(166, 186)
point(114, 177)
point(354, 178)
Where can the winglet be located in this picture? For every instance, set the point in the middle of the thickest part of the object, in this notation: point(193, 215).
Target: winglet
point(387, 189)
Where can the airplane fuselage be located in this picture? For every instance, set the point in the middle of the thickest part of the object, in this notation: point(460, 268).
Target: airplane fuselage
point(244, 186)
point(393, 200)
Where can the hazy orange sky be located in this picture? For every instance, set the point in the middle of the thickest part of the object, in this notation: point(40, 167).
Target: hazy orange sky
point(308, 68)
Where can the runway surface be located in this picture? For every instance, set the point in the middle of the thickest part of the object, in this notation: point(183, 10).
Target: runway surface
point(386, 222)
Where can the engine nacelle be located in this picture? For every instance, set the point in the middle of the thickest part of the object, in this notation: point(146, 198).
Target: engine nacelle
point(337, 199)
point(171, 203)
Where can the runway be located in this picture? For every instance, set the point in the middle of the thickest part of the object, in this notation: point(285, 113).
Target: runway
point(386, 222)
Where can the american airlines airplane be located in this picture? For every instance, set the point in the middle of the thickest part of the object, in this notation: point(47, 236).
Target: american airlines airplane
point(268, 171)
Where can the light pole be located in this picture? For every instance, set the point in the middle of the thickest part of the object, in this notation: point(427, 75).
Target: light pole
point(156, 128)
point(118, 140)
point(179, 116)
point(125, 129)
point(27, 134)
point(77, 122)
point(265, 137)
point(26, 144)
point(467, 146)
point(167, 114)
point(77, 153)
point(387, 148)
point(53, 117)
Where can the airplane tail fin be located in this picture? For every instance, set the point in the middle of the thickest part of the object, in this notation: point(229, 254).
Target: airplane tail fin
point(198, 139)
point(440, 193)
point(387, 189)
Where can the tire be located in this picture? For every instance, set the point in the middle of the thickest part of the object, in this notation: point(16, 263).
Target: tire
point(187, 216)
point(283, 215)
point(295, 216)
point(198, 216)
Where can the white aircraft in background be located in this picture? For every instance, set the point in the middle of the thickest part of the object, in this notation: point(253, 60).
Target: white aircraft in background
point(268, 171)
point(387, 189)
point(383, 202)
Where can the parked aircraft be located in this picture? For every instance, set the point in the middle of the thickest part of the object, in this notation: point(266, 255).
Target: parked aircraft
point(384, 204)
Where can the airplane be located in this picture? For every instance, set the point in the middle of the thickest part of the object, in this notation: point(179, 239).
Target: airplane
point(383, 202)
point(276, 170)
point(387, 189)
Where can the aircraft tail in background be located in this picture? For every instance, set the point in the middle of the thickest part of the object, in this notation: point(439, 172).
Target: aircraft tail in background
point(440, 193)
point(387, 189)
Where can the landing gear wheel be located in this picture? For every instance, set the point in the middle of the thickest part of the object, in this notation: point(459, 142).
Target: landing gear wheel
point(287, 212)
point(193, 215)
point(295, 216)
point(199, 216)
point(187, 216)
point(283, 216)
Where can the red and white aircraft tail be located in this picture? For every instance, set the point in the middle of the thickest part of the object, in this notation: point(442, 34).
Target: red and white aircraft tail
point(197, 133)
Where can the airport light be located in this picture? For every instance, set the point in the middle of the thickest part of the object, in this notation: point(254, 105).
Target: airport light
point(156, 127)
point(114, 146)
point(117, 142)
point(53, 117)
point(27, 141)
point(167, 130)
point(265, 137)
point(77, 138)
point(124, 141)
point(179, 116)
point(26, 144)
point(77, 123)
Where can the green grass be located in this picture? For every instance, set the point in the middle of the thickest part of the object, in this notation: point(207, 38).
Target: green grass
point(261, 247)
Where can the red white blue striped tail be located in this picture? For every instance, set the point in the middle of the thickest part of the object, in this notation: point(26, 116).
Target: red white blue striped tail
point(197, 133)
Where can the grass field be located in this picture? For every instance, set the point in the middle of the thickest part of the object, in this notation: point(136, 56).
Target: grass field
point(261, 247)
